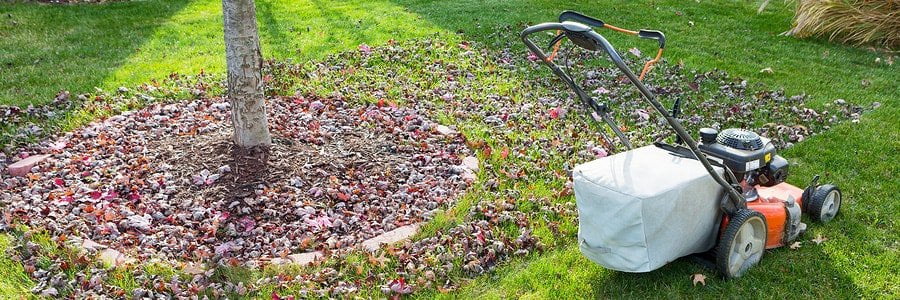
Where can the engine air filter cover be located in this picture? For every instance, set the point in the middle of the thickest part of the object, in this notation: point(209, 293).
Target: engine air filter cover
point(740, 139)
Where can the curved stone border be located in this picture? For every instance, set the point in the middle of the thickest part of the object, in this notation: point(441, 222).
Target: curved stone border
point(112, 258)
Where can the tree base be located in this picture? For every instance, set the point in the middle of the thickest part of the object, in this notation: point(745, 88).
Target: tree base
point(250, 167)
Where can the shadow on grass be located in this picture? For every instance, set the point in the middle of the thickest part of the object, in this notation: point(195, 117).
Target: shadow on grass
point(71, 47)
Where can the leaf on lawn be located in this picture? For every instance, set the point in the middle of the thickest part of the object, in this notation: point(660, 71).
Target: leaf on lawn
point(819, 239)
point(635, 52)
point(275, 296)
point(694, 86)
point(378, 261)
point(399, 286)
point(365, 49)
point(767, 71)
point(698, 278)
point(795, 246)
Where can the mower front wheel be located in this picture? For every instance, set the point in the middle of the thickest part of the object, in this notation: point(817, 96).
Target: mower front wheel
point(824, 203)
point(742, 244)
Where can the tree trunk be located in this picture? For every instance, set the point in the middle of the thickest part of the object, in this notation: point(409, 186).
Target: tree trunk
point(245, 90)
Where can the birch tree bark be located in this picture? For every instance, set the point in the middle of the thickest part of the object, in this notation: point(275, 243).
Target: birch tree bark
point(244, 60)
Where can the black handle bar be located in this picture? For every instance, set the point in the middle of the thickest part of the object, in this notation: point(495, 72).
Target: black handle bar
point(594, 22)
point(580, 18)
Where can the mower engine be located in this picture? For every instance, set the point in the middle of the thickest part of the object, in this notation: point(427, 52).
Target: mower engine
point(753, 160)
point(750, 156)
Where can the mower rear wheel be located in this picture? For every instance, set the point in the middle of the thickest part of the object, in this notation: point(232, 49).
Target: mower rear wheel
point(742, 244)
point(824, 203)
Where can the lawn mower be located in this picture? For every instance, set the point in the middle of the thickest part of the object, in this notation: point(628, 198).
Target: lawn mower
point(724, 197)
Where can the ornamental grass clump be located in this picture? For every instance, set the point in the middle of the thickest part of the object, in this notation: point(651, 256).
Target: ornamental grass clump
point(855, 22)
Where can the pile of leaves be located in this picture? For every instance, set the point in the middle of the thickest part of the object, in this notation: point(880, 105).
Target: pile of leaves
point(155, 180)
point(523, 125)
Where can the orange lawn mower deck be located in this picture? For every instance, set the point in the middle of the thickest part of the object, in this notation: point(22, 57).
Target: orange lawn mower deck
point(723, 196)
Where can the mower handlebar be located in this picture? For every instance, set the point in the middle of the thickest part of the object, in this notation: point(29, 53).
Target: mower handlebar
point(653, 35)
point(584, 36)
point(594, 22)
point(580, 18)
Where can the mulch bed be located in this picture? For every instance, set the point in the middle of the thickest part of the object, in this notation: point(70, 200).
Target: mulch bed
point(159, 182)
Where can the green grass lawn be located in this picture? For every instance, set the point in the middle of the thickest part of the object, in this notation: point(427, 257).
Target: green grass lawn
point(48, 48)
point(859, 259)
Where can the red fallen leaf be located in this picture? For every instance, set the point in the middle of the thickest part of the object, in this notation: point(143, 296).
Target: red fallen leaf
point(464, 45)
point(504, 153)
point(276, 297)
point(400, 287)
point(480, 236)
point(67, 199)
point(109, 215)
point(111, 195)
point(553, 113)
point(343, 197)
point(59, 181)
point(487, 151)
point(96, 195)
point(134, 196)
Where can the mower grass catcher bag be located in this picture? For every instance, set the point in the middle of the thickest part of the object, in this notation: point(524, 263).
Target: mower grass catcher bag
point(641, 209)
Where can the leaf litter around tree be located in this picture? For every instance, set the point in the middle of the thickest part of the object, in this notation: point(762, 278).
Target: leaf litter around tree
point(358, 151)
point(160, 180)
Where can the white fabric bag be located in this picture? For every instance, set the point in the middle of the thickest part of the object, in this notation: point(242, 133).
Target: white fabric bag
point(641, 209)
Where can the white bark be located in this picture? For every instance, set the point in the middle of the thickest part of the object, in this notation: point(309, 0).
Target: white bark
point(245, 90)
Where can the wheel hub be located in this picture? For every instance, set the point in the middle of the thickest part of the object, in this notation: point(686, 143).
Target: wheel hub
point(748, 246)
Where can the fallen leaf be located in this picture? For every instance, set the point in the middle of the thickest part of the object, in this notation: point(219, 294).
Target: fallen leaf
point(767, 71)
point(795, 246)
point(819, 239)
point(635, 52)
point(698, 278)
point(365, 49)
point(694, 86)
point(275, 296)
point(399, 286)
